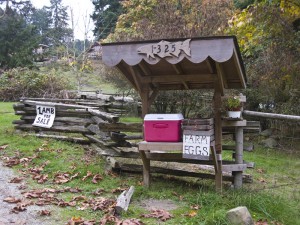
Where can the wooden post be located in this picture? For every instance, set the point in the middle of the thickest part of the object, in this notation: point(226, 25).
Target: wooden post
point(146, 168)
point(238, 175)
point(218, 137)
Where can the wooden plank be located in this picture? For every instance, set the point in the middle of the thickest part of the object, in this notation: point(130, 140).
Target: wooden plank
point(129, 127)
point(54, 104)
point(234, 123)
point(239, 140)
point(234, 167)
point(123, 200)
point(133, 168)
point(76, 140)
point(170, 78)
point(62, 119)
point(198, 127)
point(146, 169)
point(115, 152)
point(208, 121)
point(67, 129)
point(248, 147)
point(190, 130)
point(271, 115)
point(103, 115)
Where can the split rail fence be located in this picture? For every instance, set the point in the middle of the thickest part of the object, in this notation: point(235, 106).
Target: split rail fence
point(97, 122)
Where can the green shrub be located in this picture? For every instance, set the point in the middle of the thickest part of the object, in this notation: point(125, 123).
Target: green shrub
point(23, 82)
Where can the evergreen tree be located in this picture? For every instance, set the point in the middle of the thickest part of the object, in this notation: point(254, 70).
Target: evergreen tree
point(17, 39)
point(60, 32)
point(41, 19)
point(105, 16)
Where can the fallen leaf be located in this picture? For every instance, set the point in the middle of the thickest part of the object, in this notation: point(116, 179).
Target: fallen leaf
point(41, 178)
point(12, 200)
point(79, 198)
point(75, 221)
point(103, 204)
point(97, 178)
point(262, 180)
point(161, 214)
point(261, 222)
point(45, 213)
point(130, 222)
point(109, 218)
point(89, 174)
point(98, 191)
point(3, 147)
point(16, 180)
point(260, 170)
point(118, 190)
point(18, 208)
point(192, 213)
point(10, 162)
point(196, 207)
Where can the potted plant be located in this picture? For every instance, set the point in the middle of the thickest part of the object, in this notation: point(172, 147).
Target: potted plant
point(233, 107)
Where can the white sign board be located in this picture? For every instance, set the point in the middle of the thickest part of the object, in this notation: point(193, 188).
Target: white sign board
point(45, 116)
point(196, 145)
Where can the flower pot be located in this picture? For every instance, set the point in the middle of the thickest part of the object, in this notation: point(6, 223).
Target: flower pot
point(234, 114)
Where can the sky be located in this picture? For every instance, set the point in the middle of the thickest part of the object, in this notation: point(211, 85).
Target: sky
point(81, 8)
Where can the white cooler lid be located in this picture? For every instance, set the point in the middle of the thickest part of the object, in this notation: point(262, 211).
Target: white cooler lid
point(178, 116)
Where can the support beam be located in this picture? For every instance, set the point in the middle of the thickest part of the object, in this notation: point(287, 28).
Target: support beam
point(217, 103)
point(238, 175)
point(177, 68)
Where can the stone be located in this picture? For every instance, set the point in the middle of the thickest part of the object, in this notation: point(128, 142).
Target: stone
point(239, 216)
point(266, 133)
point(269, 143)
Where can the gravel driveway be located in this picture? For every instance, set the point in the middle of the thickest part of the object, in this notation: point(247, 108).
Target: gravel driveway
point(31, 216)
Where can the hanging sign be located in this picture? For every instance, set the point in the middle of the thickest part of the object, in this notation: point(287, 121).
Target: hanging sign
point(165, 48)
point(45, 116)
point(196, 145)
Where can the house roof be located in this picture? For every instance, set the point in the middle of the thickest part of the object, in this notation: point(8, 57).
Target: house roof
point(179, 64)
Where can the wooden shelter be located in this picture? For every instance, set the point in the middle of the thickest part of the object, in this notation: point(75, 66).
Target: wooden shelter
point(181, 64)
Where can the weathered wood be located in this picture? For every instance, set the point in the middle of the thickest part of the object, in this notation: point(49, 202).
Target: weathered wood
point(111, 163)
point(133, 168)
point(19, 122)
point(54, 104)
point(67, 129)
point(234, 167)
point(209, 121)
point(103, 115)
point(198, 127)
point(238, 175)
point(29, 111)
point(121, 137)
point(115, 152)
point(123, 200)
point(76, 140)
point(271, 115)
point(95, 130)
point(62, 119)
point(129, 127)
point(234, 123)
point(247, 148)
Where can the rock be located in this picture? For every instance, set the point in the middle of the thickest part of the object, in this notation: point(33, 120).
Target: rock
point(266, 133)
point(239, 216)
point(269, 143)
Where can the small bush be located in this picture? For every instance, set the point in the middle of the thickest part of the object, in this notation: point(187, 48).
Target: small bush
point(23, 82)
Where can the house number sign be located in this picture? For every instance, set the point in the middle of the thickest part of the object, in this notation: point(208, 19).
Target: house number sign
point(165, 49)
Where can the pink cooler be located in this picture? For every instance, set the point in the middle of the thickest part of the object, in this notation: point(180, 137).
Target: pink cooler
point(162, 127)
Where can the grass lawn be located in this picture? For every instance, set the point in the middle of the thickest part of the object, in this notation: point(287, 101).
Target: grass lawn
point(274, 195)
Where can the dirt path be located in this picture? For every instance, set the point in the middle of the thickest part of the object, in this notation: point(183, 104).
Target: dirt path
point(31, 215)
